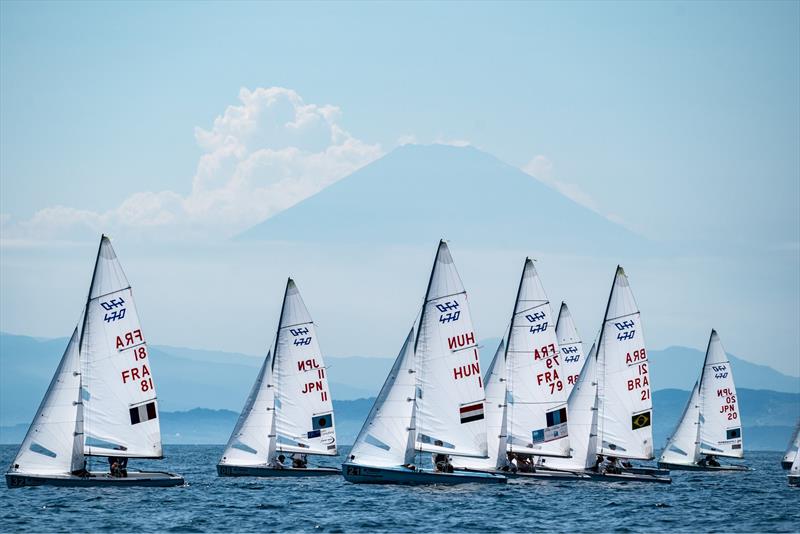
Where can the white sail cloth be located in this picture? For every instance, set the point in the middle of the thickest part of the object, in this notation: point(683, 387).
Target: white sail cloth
point(120, 407)
point(304, 419)
point(570, 347)
point(54, 442)
point(386, 439)
point(625, 415)
point(794, 445)
point(582, 408)
point(537, 396)
point(720, 419)
point(252, 440)
point(682, 447)
point(450, 396)
point(496, 416)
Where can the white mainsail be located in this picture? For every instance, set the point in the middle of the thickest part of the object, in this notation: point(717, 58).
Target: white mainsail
point(682, 447)
point(303, 408)
point(120, 408)
point(794, 470)
point(537, 398)
point(720, 422)
point(252, 441)
point(794, 445)
point(570, 347)
point(624, 404)
point(54, 442)
point(450, 396)
point(495, 416)
point(387, 437)
point(582, 407)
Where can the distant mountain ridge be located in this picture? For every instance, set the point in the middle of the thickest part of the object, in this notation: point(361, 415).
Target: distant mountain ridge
point(419, 193)
point(188, 378)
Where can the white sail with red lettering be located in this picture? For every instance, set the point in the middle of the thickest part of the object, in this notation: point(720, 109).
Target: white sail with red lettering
point(537, 410)
point(720, 423)
point(120, 407)
point(683, 447)
point(625, 410)
point(582, 408)
point(387, 437)
point(54, 442)
point(450, 397)
point(252, 442)
point(303, 409)
point(570, 347)
point(495, 417)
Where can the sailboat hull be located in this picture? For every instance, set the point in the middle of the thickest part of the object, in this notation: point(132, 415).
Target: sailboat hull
point(695, 467)
point(265, 471)
point(359, 474)
point(661, 470)
point(609, 477)
point(539, 474)
point(97, 479)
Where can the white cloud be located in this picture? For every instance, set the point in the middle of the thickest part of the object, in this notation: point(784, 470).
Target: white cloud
point(541, 168)
point(261, 156)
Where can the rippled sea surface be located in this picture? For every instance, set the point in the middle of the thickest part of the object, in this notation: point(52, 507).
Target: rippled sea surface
point(759, 501)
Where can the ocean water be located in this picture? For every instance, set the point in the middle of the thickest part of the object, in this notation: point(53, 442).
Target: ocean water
point(758, 501)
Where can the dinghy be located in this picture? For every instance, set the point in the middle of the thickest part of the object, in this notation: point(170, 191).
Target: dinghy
point(526, 390)
point(711, 423)
point(794, 472)
point(433, 399)
point(791, 449)
point(102, 399)
point(610, 409)
point(289, 410)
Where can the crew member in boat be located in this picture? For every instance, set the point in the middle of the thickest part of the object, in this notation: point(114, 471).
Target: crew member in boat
point(709, 460)
point(278, 463)
point(118, 466)
point(612, 466)
point(597, 463)
point(299, 461)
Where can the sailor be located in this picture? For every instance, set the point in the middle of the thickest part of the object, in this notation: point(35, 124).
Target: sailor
point(626, 464)
point(122, 464)
point(597, 463)
point(613, 467)
point(299, 462)
point(712, 461)
point(442, 463)
point(525, 464)
point(113, 466)
point(278, 463)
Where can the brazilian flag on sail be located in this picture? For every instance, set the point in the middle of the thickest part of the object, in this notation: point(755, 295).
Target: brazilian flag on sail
point(641, 420)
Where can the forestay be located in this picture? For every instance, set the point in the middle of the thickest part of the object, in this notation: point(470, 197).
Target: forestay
point(720, 421)
point(54, 442)
point(387, 439)
point(537, 411)
point(794, 445)
point(304, 412)
point(682, 447)
point(625, 415)
point(570, 347)
point(253, 440)
point(582, 408)
point(495, 416)
point(120, 406)
point(450, 396)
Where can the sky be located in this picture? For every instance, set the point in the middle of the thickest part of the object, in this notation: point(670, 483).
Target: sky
point(174, 126)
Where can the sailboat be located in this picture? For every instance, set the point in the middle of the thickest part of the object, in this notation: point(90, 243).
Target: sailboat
point(711, 423)
point(610, 406)
point(289, 409)
point(526, 389)
point(794, 471)
point(102, 399)
point(570, 347)
point(792, 448)
point(433, 400)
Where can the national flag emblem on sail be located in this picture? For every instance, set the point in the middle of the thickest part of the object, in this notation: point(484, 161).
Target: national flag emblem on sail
point(733, 433)
point(472, 411)
point(556, 427)
point(641, 420)
point(143, 412)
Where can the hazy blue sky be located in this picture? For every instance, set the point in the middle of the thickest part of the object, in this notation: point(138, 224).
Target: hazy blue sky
point(164, 121)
